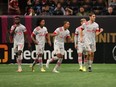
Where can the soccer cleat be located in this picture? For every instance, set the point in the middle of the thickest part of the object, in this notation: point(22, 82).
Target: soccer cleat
point(84, 69)
point(54, 70)
point(19, 70)
point(47, 63)
point(32, 69)
point(89, 69)
point(81, 68)
point(43, 70)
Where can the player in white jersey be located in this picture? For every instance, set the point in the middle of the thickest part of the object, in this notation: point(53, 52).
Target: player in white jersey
point(90, 30)
point(80, 46)
point(60, 34)
point(39, 36)
point(18, 33)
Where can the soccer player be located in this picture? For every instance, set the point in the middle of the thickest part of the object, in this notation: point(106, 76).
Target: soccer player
point(18, 33)
point(90, 30)
point(80, 47)
point(61, 34)
point(39, 36)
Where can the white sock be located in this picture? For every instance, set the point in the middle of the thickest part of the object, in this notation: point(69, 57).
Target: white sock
point(19, 61)
point(40, 62)
point(80, 61)
point(90, 63)
point(58, 63)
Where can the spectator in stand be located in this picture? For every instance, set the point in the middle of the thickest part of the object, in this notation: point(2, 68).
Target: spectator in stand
point(13, 8)
point(110, 11)
point(113, 4)
point(68, 11)
point(74, 5)
point(52, 4)
point(68, 3)
point(63, 3)
point(82, 12)
point(99, 6)
point(46, 10)
point(37, 6)
point(59, 10)
point(31, 12)
point(87, 4)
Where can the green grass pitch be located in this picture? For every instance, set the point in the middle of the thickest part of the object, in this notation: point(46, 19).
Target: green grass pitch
point(103, 75)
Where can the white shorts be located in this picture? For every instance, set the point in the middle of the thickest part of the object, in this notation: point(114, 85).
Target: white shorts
point(81, 48)
point(18, 46)
point(39, 49)
point(58, 48)
point(91, 47)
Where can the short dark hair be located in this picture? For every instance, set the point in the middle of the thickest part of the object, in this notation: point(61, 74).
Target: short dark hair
point(90, 14)
point(65, 22)
point(38, 21)
point(82, 19)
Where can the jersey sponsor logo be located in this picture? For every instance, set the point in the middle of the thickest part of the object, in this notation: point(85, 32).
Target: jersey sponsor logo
point(4, 59)
point(93, 31)
point(19, 33)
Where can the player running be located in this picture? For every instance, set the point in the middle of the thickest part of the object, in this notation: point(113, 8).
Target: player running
point(81, 50)
point(90, 30)
point(39, 36)
point(60, 34)
point(18, 32)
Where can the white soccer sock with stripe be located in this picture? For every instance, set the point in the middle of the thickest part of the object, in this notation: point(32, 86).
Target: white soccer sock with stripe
point(80, 60)
point(58, 63)
point(19, 61)
point(40, 62)
point(90, 62)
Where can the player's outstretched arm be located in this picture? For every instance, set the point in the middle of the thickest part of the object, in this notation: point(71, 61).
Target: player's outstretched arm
point(54, 34)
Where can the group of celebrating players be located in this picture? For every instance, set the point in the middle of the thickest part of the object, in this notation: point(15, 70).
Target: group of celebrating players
point(84, 42)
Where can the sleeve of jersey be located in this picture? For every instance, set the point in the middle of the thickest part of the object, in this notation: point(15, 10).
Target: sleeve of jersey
point(97, 28)
point(25, 31)
point(68, 35)
point(82, 27)
point(11, 30)
point(56, 31)
point(34, 32)
point(76, 32)
point(46, 32)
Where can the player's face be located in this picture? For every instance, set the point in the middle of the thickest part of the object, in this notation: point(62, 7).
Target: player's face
point(92, 18)
point(84, 21)
point(67, 25)
point(42, 23)
point(17, 20)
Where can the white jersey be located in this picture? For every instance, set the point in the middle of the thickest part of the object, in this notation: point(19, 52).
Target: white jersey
point(90, 32)
point(62, 34)
point(77, 34)
point(19, 33)
point(40, 34)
